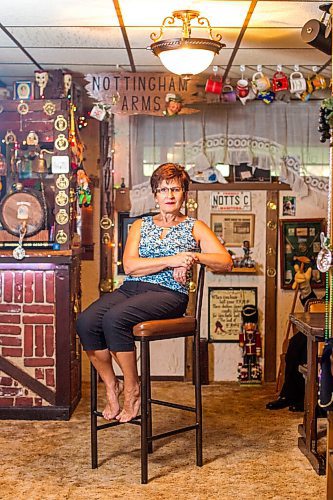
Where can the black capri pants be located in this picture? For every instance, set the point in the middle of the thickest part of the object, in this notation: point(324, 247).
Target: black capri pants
point(108, 322)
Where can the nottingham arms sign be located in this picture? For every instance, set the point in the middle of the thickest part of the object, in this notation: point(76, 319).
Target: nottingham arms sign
point(143, 93)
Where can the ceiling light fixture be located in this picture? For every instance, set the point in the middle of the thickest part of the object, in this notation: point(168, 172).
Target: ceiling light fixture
point(186, 56)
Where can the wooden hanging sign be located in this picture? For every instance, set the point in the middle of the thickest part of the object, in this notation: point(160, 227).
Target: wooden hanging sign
point(145, 93)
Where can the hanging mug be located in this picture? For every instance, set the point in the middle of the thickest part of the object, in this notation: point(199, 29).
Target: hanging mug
point(279, 81)
point(228, 94)
point(214, 85)
point(242, 87)
point(318, 82)
point(260, 82)
point(297, 83)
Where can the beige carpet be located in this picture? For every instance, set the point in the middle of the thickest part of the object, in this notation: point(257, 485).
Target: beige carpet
point(249, 453)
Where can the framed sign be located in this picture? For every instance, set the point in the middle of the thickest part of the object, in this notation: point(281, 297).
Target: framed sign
point(233, 229)
point(224, 311)
point(300, 238)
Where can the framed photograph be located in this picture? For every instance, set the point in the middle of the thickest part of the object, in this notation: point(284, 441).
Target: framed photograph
point(24, 90)
point(300, 240)
point(289, 206)
point(233, 229)
point(224, 311)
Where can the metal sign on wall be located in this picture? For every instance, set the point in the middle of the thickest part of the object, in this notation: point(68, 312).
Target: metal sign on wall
point(143, 93)
point(233, 201)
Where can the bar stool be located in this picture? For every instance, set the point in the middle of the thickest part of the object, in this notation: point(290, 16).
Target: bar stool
point(146, 332)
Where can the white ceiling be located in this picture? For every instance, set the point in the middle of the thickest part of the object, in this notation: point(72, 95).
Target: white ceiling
point(85, 36)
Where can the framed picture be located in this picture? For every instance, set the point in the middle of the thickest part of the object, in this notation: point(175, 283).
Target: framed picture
point(246, 173)
point(300, 240)
point(224, 311)
point(24, 90)
point(233, 229)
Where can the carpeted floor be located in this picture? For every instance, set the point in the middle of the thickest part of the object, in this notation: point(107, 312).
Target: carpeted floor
point(249, 453)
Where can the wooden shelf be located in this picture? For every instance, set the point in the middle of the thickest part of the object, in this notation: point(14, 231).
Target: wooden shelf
point(238, 270)
point(240, 186)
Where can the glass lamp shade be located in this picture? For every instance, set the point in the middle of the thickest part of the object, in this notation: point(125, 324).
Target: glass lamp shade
point(188, 56)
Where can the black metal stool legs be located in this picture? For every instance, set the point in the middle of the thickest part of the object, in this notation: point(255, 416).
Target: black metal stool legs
point(93, 416)
point(144, 410)
point(198, 400)
point(149, 405)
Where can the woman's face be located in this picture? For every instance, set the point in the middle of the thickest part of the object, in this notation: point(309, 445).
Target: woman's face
point(170, 196)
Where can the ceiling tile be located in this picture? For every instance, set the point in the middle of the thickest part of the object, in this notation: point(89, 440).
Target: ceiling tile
point(15, 71)
point(94, 36)
point(58, 13)
point(273, 37)
point(5, 41)
point(12, 55)
point(63, 57)
point(152, 13)
point(308, 57)
point(284, 13)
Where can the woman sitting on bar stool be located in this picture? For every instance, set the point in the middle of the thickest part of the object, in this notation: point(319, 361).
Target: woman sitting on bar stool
point(160, 251)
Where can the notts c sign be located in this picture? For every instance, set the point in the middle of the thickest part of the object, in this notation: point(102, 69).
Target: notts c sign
point(231, 201)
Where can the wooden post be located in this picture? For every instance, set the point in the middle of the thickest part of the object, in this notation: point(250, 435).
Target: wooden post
point(272, 214)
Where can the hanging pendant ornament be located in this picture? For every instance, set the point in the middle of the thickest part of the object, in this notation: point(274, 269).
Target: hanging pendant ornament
point(49, 108)
point(105, 222)
point(324, 257)
point(61, 199)
point(32, 139)
point(41, 77)
point(22, 108)
point(61, 142)
point(62, 182)
point(10, 137)
point(61, 237)
point(62, 217)
point(60, 123)
point(19, 252)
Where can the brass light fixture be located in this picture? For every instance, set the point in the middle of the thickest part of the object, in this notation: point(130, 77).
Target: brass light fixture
point(186, 56)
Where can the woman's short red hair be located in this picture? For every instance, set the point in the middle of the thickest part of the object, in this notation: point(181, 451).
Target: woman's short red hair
point(168, 171)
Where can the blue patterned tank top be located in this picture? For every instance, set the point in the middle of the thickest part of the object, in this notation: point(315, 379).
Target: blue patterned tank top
point(178, 239)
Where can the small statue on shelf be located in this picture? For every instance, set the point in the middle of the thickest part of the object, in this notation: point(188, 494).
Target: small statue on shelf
point(247, 261)
point(249, 371)
point(82, 190)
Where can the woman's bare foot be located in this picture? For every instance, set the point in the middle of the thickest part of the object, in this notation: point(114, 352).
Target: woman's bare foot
point(112, 407)
point(132, 403)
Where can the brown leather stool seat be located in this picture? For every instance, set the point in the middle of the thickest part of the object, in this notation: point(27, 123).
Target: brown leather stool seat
point(146, 332)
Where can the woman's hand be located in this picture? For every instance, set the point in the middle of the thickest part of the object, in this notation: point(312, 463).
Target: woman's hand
point(183, 259)
point(180, 275)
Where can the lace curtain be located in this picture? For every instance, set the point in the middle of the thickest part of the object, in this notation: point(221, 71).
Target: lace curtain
point(280, 136)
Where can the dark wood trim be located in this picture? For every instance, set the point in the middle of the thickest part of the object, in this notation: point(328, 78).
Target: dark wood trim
point(272, 215)
point(241, 186)
point(240, 38)
point(191, 211)
point(35, 413)
point(27, 381)
point(62, 334)
point(124, 33)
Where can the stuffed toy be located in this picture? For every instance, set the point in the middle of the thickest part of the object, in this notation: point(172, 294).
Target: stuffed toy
point(82, 190)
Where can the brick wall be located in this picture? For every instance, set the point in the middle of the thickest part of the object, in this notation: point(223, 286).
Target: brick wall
point(27, 335)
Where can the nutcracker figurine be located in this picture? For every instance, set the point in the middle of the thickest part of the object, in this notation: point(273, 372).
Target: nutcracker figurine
point(249, 371)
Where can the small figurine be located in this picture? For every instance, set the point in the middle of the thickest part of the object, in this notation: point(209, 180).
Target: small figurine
point(250, 341)
point(247, 261)
point(173, 104)
point(82, 190)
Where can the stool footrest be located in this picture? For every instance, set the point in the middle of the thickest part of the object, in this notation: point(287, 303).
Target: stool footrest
point(134, 421)
point(171, 405)
point(172, 433)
